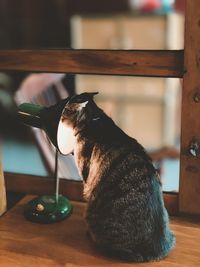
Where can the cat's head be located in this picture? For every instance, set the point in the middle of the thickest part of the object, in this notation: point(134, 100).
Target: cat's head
point(80, 109)
point(77, 114)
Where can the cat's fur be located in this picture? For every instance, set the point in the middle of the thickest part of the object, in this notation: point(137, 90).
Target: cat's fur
point(126, 216)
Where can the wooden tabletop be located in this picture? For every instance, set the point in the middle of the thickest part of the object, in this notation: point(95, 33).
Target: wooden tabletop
point(24, 244)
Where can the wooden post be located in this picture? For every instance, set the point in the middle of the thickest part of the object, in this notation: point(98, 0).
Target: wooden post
point(3, 204)
point(189, 198)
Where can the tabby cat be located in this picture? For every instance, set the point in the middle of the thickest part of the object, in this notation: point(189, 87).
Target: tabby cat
point(125, 214)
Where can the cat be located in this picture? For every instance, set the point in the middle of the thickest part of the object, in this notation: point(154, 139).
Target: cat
point(125, 215)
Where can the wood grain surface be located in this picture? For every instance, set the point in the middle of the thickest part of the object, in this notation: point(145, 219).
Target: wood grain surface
point(159, 63)
point(65, 243)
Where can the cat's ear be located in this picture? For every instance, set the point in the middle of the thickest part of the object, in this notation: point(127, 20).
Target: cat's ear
point(91, 95)
point(82, 97)
point(82, 105)
point(85, 97)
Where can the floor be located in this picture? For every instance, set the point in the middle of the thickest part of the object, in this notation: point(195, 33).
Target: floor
point(65, 243)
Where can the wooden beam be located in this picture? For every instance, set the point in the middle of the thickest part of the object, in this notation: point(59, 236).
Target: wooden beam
point(157, 63)
point(38, 185)
point(190, 136)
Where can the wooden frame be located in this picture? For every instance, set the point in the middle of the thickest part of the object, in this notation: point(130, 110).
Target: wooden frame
point(157, 63)
point(39, 185)
point(130, 62)
point(184, 64)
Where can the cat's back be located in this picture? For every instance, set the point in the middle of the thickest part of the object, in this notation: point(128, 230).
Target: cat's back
point(126, 213)
point(125, 173)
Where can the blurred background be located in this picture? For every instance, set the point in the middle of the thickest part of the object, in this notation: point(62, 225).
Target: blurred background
point(147, 109)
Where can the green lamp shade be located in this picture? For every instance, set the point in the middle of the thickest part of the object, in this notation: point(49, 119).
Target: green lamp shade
point(30, 114)
point(47, 209)
point(46, 118)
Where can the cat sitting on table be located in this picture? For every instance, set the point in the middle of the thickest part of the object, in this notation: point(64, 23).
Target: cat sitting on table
point(125, 214)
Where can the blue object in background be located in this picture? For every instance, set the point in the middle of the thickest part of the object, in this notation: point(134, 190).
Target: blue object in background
point(170, 175)
point(22, 157)
point(167, 5)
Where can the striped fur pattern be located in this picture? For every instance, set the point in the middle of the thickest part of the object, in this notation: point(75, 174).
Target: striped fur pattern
point(125, 215)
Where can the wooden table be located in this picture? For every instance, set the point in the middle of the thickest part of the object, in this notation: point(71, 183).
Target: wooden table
point(24, 244)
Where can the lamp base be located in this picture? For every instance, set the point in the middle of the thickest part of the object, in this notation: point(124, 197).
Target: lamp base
point(46, 209)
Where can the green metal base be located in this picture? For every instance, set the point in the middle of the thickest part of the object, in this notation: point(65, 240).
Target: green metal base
point(45, 209)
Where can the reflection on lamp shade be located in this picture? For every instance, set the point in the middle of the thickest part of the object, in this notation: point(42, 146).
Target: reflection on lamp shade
point(65, 138)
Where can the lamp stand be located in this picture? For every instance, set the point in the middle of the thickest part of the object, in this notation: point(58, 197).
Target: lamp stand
point(49, 208)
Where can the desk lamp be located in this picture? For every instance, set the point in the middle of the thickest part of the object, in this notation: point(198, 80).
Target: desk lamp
point(48, 208)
